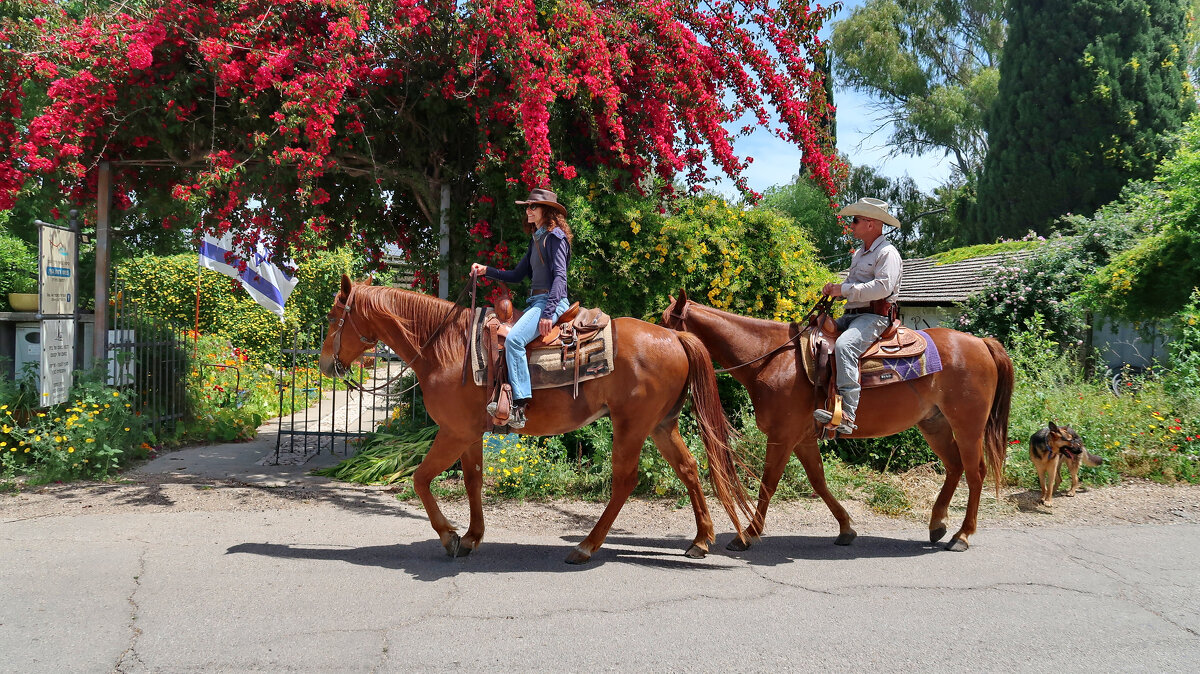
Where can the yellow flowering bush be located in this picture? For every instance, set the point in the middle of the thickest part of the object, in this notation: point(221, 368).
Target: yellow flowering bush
point(628, 256)
point(91, 436)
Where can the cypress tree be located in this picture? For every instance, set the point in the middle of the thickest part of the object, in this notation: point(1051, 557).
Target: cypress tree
point(1089, 92)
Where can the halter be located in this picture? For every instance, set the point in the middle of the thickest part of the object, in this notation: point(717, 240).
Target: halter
point(339, 368)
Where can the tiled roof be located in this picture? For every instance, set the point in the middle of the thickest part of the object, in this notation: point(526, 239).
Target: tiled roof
point(924, 282)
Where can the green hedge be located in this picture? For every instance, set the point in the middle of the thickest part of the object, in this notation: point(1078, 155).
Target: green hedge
point(165, 288)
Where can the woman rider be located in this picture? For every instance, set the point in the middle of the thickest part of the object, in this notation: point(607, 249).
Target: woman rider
point(546, 262)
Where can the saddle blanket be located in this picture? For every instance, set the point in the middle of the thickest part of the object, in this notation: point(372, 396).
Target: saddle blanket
point(547, 367)
point(882, 371)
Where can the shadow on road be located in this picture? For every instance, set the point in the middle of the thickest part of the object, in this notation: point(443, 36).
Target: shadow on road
point(776, 550)
point(425, 560)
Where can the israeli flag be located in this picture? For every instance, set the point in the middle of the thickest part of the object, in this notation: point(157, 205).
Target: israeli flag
point(265, 282)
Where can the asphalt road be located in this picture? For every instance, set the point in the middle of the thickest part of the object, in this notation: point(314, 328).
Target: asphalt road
point(325, 588)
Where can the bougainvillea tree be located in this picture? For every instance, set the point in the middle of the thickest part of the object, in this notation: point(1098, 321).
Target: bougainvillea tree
point(316, 121)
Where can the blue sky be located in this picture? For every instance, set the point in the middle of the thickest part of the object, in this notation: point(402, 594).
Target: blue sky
point(777, 162)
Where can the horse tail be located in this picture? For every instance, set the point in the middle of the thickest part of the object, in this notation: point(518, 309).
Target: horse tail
point(716, 431)
point(996, 433)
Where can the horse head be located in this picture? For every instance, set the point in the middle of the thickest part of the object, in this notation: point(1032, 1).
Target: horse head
point(344, 340)
point(676, 311)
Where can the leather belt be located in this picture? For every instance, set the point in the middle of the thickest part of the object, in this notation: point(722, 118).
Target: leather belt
point(860, 310)
point(537, 292)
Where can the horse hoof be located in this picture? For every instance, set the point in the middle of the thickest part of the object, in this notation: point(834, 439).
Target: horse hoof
point(738, 545)
point(957, 545)
point(577, 556)
point(463, 550)
point(846, 537)
point(696, 552)
point(936, 535)
point(453, 545)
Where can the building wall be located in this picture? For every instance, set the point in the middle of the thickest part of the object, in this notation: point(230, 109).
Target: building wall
point(928, 317)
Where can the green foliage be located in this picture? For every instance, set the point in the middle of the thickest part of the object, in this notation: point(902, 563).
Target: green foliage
point(165, 289)
point(18, 265)
point(387, 456)
point(1038, 289)
point(1153, 275)
point(628, 257)
point(894, 453)
point(1153, 434)
point(1081, 110)
point(933, 66)
point(93, 435)
point(1183, 378)
point(983, 249)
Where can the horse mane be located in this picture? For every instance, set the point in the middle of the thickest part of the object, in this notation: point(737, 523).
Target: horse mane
point(746, 322)
point(418, 316)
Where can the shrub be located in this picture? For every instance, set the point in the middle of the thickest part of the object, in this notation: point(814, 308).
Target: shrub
point(165, 288)
point(18, 265)
point(94, 434)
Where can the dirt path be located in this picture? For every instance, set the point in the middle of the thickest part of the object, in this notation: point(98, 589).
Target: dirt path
point(1132, 502)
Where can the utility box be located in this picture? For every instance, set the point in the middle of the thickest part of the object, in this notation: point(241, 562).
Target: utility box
point(28, 349)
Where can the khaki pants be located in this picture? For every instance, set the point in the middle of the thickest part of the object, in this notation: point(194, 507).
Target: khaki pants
point(859, 331)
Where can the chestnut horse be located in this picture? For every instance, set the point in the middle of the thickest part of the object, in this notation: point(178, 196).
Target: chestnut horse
point(643, 395)
point(961, 410)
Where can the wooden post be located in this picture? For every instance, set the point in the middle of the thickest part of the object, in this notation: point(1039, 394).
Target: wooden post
point(444, 245)
point(100, 327)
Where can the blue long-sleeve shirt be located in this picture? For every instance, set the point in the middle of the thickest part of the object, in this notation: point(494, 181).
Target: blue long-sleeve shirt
point(548, 268)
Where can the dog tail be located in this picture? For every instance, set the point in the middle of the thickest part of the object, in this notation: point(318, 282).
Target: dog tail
point(1092, 460)
point(996, 433)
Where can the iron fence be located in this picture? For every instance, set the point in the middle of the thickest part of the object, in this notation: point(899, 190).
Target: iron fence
point(317, 413)
point(150, 359)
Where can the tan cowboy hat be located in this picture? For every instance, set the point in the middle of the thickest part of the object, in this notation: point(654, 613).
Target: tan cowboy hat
point(876, 209)
point(544, 198)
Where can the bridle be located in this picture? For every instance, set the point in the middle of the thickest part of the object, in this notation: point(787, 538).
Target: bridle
point(339, 368)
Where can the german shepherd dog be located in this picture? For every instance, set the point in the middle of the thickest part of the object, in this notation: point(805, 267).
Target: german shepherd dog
point(1051, 446)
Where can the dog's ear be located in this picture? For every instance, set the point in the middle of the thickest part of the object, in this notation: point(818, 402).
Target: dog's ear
point(1053, 428)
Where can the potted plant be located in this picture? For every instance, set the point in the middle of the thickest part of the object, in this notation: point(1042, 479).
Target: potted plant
point(18, 273)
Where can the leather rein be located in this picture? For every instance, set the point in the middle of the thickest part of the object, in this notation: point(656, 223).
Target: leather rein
point(822, 305)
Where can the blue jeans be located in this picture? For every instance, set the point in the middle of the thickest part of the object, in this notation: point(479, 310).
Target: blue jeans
point(859, 331)
point(523, 332)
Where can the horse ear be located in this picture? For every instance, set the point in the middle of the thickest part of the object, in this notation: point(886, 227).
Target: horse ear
point(683, 295)
point(346, 284)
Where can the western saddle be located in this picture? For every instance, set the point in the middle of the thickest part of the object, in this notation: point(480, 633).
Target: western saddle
point(575, 328)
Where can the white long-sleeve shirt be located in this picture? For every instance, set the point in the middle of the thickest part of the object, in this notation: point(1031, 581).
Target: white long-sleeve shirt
point(874, 274)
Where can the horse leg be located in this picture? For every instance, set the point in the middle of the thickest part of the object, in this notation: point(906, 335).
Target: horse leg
point(773, 467)
point(810, 457)
point(446, 449)
point(472, 461)
point(941, 440)
point(626, 448)
point(970, 447)
point(675, 451)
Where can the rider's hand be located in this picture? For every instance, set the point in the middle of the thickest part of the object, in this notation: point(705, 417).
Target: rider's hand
point(832, 289)
point(478, 269)
point(544, 326)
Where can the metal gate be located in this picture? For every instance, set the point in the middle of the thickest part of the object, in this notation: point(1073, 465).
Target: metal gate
point(151, 360)
point(317, 413)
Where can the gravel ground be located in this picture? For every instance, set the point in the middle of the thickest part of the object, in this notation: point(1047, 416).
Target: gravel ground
point(1132, 502)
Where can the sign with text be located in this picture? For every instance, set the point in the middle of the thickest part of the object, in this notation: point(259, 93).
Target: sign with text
point(58, 360)
point(57, 270)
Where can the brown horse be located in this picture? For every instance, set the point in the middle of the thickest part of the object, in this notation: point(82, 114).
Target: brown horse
point(644, 395)
point(960, 410)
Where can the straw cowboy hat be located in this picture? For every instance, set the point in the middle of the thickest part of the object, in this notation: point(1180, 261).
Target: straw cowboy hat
point(876, 209)
point(544, 198)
